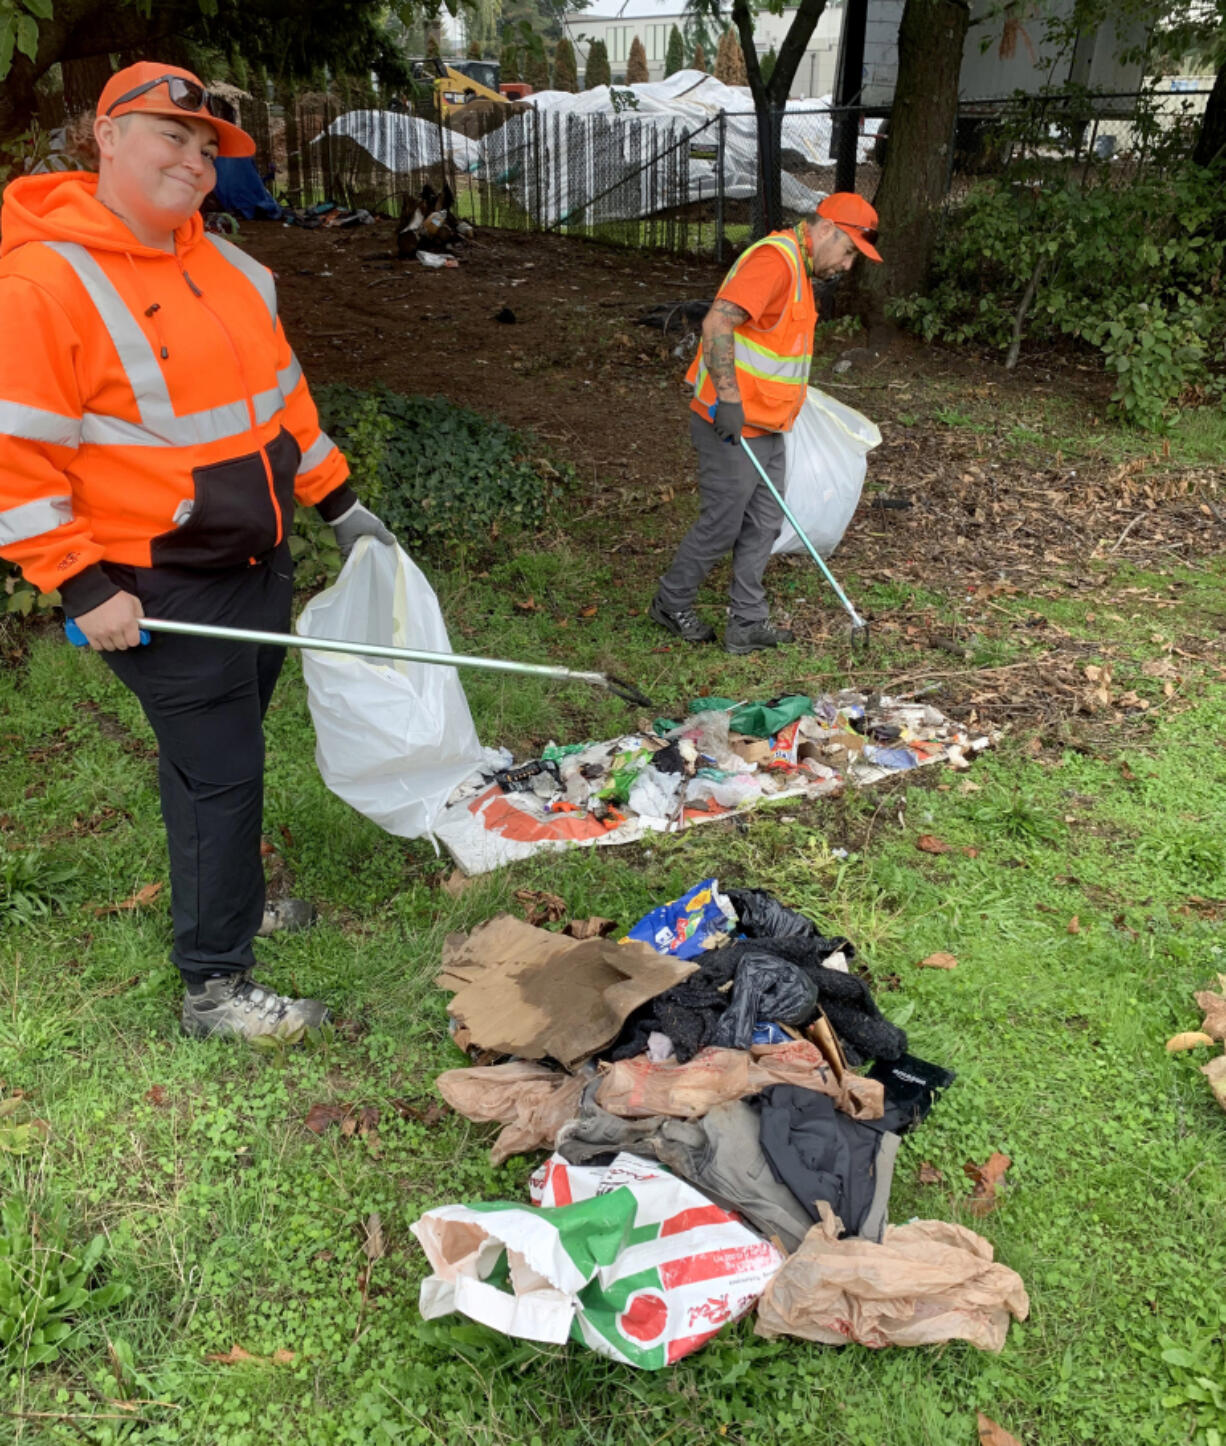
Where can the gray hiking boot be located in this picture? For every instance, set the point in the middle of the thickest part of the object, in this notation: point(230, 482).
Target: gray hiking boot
point(743, 637)
point(235, 1006)
point(686, 624)
point(286, 916)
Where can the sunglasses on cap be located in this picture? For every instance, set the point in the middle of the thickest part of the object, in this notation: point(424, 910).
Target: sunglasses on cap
point(185, 94)
point(868, 232)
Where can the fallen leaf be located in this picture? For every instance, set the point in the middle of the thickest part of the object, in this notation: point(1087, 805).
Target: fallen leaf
point(1074, 925)
point(540, 906)
point(929, 844)
point(282, 1357)
point(1214, 1006)
point(971, 853)
point(930, 1175)
point(1215, 1073)
point(588, 612)
point(236, 1356)
point(966, 786)
point(527, 605)
point(349, 1125)
point(456, 882)
point(990, 1434)
point(319, 1117)
point(938, 961)
point(266, 849)
point(373, 1246)
point(1190, 1039)
point(156, 1095)
point(986, 1178)
point(141, 899)
point(593, 928)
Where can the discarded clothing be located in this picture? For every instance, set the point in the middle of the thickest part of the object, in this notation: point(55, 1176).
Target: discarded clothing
point(821, 1155)
point(927, 1281)
point(684, 926)
point(531, 1100)
point(628, 1260)
point(720, 1154)
point(526, 992)
point(911, 1086)
point(689, 1013)
point(765, 987)
point(640, 1088)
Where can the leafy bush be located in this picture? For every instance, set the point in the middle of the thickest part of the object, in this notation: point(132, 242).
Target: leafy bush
point(45, 1285)
point(1134, 272)
point(434, 471)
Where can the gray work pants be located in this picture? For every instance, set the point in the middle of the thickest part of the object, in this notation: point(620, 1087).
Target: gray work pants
point(737, 515)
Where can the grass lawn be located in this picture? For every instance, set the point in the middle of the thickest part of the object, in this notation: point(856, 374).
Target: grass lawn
point(1082, 896)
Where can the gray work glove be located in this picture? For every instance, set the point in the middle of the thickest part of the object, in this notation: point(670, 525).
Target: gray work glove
point(358, 522)
point(728, 420)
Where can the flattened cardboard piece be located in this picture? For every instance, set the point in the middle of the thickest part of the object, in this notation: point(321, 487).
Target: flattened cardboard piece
point(526, 992)
point(752, 750)
point(827, 1041)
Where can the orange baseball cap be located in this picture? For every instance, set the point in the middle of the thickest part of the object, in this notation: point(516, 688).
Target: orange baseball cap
point(156, 89)
point(855, 218)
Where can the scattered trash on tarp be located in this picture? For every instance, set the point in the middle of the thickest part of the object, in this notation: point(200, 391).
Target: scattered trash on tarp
point(711, 1050)
point(724, 758)
point(626, 1259)
point(927, 1281)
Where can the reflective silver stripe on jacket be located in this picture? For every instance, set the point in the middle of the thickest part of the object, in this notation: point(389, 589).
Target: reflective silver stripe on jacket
point(289, 377)
point(259, 276)
point(317, 452)
point(159, 426)
point(33, 424)
point(758, 361)
point(30, 519)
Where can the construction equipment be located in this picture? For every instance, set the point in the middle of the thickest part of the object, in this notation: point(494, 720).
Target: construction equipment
point(617, 686)
point(458, 82)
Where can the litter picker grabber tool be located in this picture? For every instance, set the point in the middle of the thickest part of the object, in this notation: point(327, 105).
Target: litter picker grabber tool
point(620, 689)
point(859, 628)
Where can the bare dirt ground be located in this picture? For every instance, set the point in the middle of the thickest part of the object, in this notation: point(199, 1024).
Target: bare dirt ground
point(988, 484)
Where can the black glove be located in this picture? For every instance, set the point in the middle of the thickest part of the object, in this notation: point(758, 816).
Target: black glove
point(729, 419)
point(358, 522)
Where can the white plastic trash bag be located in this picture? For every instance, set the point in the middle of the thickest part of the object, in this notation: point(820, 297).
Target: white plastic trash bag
point(392, 738)
point(827, 457)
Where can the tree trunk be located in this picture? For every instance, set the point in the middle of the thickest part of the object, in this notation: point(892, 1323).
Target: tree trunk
point(916, 175)
point(83, 82)
point(770, 96)
point(1211, 144)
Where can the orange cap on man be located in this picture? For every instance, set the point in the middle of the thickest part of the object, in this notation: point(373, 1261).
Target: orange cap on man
point(855, 218)
point(156, 89)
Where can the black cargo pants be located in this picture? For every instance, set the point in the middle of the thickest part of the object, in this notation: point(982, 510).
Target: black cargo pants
point(206, 701)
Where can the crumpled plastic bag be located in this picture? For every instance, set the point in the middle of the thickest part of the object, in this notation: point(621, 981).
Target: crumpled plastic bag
point(626, 1259)
point(765, 988)
point(926, 1282)
point(530, 1099)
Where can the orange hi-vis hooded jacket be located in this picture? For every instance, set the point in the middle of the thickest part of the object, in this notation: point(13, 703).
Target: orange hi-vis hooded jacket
point(772, 364)
point(151, 410)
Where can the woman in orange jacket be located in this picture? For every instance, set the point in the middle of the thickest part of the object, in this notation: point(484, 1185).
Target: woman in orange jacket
point(156, 433)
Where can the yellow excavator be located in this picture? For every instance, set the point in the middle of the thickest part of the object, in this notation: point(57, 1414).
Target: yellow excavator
point(458, 83)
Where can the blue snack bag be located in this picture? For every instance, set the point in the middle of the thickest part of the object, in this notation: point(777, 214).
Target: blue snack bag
point(683, 926)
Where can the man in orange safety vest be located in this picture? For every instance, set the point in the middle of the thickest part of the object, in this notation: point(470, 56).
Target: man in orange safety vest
point(749, 379)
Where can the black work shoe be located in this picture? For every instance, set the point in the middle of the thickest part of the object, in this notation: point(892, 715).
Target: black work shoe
point(286, 916)
point(233, 1006)
point(743, 637)
point(686, 624)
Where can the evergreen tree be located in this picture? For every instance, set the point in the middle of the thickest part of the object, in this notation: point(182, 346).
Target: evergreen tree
point(729, 60)
point(700, 59)
point(508, 64)
point(768, 64)
point(565, 75)
point(536, 66)
point(474, 49)
point(597, 71)
point(636, 65)
point(675, 58)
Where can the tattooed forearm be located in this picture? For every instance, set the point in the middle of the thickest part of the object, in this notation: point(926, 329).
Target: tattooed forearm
point(718, 347)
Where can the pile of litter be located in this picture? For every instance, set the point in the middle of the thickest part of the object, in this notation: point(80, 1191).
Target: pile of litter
point(725, 758)
point(713, 1143)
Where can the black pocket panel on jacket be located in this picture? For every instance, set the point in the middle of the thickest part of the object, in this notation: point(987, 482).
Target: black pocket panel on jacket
point(232, 520)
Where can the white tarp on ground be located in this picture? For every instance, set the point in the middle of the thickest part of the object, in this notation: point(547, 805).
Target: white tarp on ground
point(548, 188)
